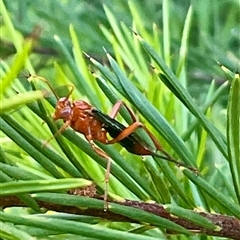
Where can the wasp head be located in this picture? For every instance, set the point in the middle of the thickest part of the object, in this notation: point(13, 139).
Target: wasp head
point(63, 109)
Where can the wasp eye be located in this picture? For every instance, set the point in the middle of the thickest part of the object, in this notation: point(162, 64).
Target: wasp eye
point(65, 112)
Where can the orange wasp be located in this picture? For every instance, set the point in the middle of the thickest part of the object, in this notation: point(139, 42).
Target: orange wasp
point(95, 125)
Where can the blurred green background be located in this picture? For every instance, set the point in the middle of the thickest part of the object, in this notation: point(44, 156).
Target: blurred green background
point(214, 34)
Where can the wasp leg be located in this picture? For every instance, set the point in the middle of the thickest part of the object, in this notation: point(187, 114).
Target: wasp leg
point(131, 128)
point(117, 107)
point(126, 132)
point(107, 173)
point(64, 127)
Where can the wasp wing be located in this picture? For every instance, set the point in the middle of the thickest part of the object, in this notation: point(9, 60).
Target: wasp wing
point(114, 128)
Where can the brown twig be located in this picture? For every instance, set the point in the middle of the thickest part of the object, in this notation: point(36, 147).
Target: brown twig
point(230, 226)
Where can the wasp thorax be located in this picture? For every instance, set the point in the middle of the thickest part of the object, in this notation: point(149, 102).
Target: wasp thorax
point(63, 109)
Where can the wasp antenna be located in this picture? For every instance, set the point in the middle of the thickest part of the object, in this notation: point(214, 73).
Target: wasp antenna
point(170, 159)
point(70, 92)
point(46, 81)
